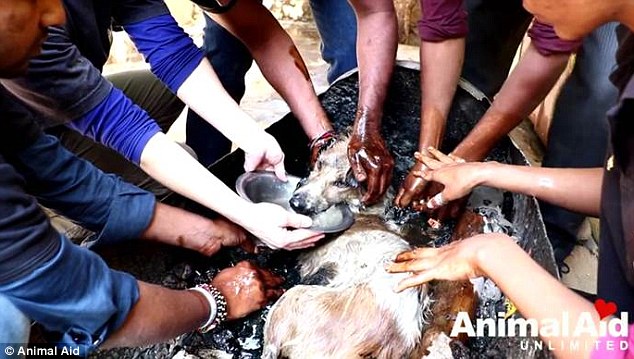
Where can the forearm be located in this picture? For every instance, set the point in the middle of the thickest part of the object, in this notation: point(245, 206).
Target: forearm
point(203, 93)
point(278, 59)
point(441, 63)
point(376, 52)
point(177, 227)
point(182, 67)
point(576, 189)
point(159, 315)
point(283, 67)
point(526, 87)
point(494, 257)
point(171, 165)
point(118, 123)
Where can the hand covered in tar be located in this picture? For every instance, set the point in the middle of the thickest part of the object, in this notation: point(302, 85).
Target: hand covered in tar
point(247, 288)
point(412, 187)
point(372, 163)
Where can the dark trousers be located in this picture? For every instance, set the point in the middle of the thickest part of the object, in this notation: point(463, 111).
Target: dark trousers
point(150, 94)
point(578, 133)
point(612, 283)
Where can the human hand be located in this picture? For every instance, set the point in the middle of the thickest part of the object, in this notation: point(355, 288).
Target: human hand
point(270, 222)
point(265, 154)
point(456, 261)
point(412, 187)
point(457, 176)
point(247, 288)
point(215, 234)
point(370, 161)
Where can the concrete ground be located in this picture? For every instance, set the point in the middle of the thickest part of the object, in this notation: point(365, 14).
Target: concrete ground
point(266, 106)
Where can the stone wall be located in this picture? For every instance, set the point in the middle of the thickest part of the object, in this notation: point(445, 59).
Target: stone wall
point(408, 12)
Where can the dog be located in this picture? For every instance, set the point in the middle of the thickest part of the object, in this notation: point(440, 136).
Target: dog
point(346, 306)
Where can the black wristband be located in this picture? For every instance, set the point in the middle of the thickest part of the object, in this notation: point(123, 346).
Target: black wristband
point(215, 6)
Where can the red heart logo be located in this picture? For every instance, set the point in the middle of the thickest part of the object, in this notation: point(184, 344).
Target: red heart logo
point(604, 308)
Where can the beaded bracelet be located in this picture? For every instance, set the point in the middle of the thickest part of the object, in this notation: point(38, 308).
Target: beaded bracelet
point(217, 306)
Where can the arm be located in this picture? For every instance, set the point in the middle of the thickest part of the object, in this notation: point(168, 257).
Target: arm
point(376, 52)
point(164, 44)
point(175, 59)
point(115, 210)
point(87, 302)
point(493, 259)
point(177, 227)
point(245, 287)
point(577, 189)
point(78, 91)
point(497, 257)
point(528, 84)
point(441, 64)
point(442, 29)
point(278, 59)
point(526, 87)
point(61, 181)
point(123, 125)
point(103, 203)
point(159, 315)
point(176, 169)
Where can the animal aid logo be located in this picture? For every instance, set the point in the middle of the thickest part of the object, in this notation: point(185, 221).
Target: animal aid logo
point(562, 333)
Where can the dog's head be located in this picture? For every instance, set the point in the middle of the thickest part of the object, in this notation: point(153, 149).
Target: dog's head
point(329, 183)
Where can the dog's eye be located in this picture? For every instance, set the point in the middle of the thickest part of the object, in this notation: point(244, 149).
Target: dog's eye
point(351, 181)
point(341, 184)
point(301, 182)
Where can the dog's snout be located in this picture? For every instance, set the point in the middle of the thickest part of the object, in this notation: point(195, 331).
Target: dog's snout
point(298, 203)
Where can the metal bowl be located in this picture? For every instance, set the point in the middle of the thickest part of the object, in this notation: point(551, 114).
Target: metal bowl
point(259, 187)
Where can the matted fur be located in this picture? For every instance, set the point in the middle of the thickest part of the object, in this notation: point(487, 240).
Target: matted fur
point(328, 183)
point(354, 312)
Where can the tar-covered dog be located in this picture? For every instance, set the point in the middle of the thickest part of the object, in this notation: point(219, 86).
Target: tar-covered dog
point(346, 306)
